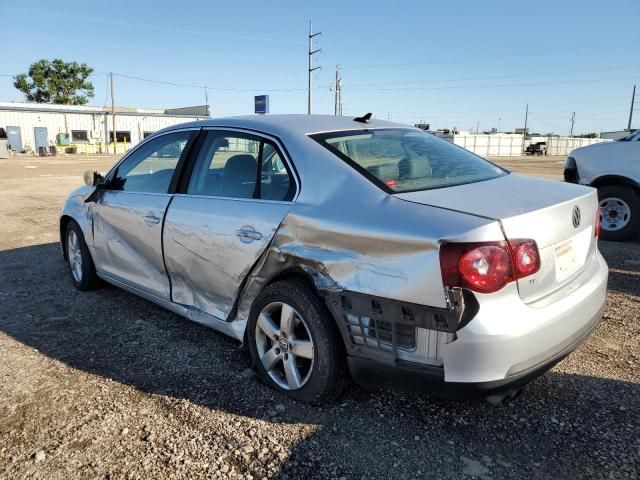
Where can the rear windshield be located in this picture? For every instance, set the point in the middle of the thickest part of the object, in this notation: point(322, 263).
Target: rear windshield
point(406, 160)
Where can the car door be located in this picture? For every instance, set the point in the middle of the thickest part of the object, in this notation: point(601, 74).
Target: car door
point(128, 214)
point(223, 219)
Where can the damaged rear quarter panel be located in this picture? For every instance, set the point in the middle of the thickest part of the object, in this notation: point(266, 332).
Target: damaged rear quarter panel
point(350, 235)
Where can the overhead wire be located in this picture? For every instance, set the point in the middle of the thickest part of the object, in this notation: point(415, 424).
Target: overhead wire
point(627, 67)
point(477, 57)
point(150, 26)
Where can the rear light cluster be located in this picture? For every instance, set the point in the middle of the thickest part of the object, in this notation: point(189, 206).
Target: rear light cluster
point(486, 267)
point(597, 229)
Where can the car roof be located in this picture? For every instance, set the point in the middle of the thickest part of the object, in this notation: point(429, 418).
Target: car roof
point(291, 124)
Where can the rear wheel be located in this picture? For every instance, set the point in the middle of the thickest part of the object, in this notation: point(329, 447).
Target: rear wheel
point(83, 272)
point(294, 344)
point(619, 212)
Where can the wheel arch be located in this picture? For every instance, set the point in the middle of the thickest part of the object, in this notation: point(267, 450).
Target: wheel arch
point(615, 180)
point(64, 223)
point(296, 273)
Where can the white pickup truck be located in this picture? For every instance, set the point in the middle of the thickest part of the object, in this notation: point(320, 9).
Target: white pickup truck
point(614, 169)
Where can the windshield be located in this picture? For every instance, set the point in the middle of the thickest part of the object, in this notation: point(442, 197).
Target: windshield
point(634, 137)
point(405, 160)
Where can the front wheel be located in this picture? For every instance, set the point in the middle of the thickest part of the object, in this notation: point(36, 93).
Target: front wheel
point(619, 212)
point(83, 272)
point(295, 345)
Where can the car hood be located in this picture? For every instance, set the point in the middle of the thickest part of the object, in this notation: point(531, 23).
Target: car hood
point(591, 148)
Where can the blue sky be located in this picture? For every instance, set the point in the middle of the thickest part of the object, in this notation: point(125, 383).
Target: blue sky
point(459, 64)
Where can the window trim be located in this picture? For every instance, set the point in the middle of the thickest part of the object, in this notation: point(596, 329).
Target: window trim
point(321, 138)
point(259, 136)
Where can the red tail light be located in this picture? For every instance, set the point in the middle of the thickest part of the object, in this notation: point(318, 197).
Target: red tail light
point(486, 267)
point(525, 257)
point(597, 229)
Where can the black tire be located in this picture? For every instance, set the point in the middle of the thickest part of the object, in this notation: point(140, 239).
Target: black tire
point(88, 279)
point(327, 378)
point(631, 197)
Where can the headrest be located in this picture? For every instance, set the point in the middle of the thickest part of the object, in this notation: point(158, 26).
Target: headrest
point(240, 169)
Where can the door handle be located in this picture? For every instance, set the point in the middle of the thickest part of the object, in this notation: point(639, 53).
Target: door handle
point(151, 219)
point(247, 235)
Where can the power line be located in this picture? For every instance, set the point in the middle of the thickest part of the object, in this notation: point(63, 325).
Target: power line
point(172, 50)
point(494, 76)
point(534, 84)
point(193, 85)
point(518, 110)
point(474, 58)
point(149, 26)
point(222, 89)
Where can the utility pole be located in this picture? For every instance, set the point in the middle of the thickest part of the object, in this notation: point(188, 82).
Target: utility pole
point(477, 127)
point(340, 97)
point(499, 124)
point(113, 114)
point(206, 100)
point(311, 67)
point(338, 92)
point(633, 97)
point(526, 117)
point(573, 119)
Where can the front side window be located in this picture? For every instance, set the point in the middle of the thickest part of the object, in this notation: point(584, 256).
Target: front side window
point(150, 167)
point(405, 160)
point(230, 163)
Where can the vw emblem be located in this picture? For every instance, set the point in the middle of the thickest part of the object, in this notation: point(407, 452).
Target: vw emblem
point(284, 345)
point(575, 217)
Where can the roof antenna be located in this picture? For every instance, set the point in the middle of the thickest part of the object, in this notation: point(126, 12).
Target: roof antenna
point(364, 119)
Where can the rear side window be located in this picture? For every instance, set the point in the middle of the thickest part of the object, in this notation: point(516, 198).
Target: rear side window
point(229, 165)
point(405, 160)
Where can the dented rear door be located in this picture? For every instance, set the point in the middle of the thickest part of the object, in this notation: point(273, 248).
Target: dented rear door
point(223, 219)
point(210, 245)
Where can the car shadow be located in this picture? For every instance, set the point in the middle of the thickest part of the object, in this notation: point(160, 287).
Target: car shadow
point(563, 426)
point(624, 265)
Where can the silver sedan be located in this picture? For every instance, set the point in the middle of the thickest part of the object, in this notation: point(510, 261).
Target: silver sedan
point(335, 246)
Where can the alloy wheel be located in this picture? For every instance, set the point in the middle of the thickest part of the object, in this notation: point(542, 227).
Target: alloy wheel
point(75, 255)
point(285, 346)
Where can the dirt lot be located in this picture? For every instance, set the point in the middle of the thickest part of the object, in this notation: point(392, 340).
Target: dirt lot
point(107, 385)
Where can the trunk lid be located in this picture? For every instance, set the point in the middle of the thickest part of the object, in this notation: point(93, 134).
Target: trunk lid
point(527, 207)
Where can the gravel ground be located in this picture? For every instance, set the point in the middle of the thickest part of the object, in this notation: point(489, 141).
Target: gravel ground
point(106, 385)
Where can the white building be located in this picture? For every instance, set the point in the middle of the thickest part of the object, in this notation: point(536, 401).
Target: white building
point(81, 128)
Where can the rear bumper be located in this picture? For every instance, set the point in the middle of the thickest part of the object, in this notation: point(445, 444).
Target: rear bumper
point(415, 378)
point(506, 345)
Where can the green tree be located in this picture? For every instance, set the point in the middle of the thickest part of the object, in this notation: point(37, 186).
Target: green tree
point(56, 82)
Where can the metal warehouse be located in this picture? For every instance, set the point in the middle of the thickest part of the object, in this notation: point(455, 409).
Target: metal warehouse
point(46, 128)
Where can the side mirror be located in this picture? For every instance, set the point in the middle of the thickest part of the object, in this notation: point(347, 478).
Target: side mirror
point(92, 178)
